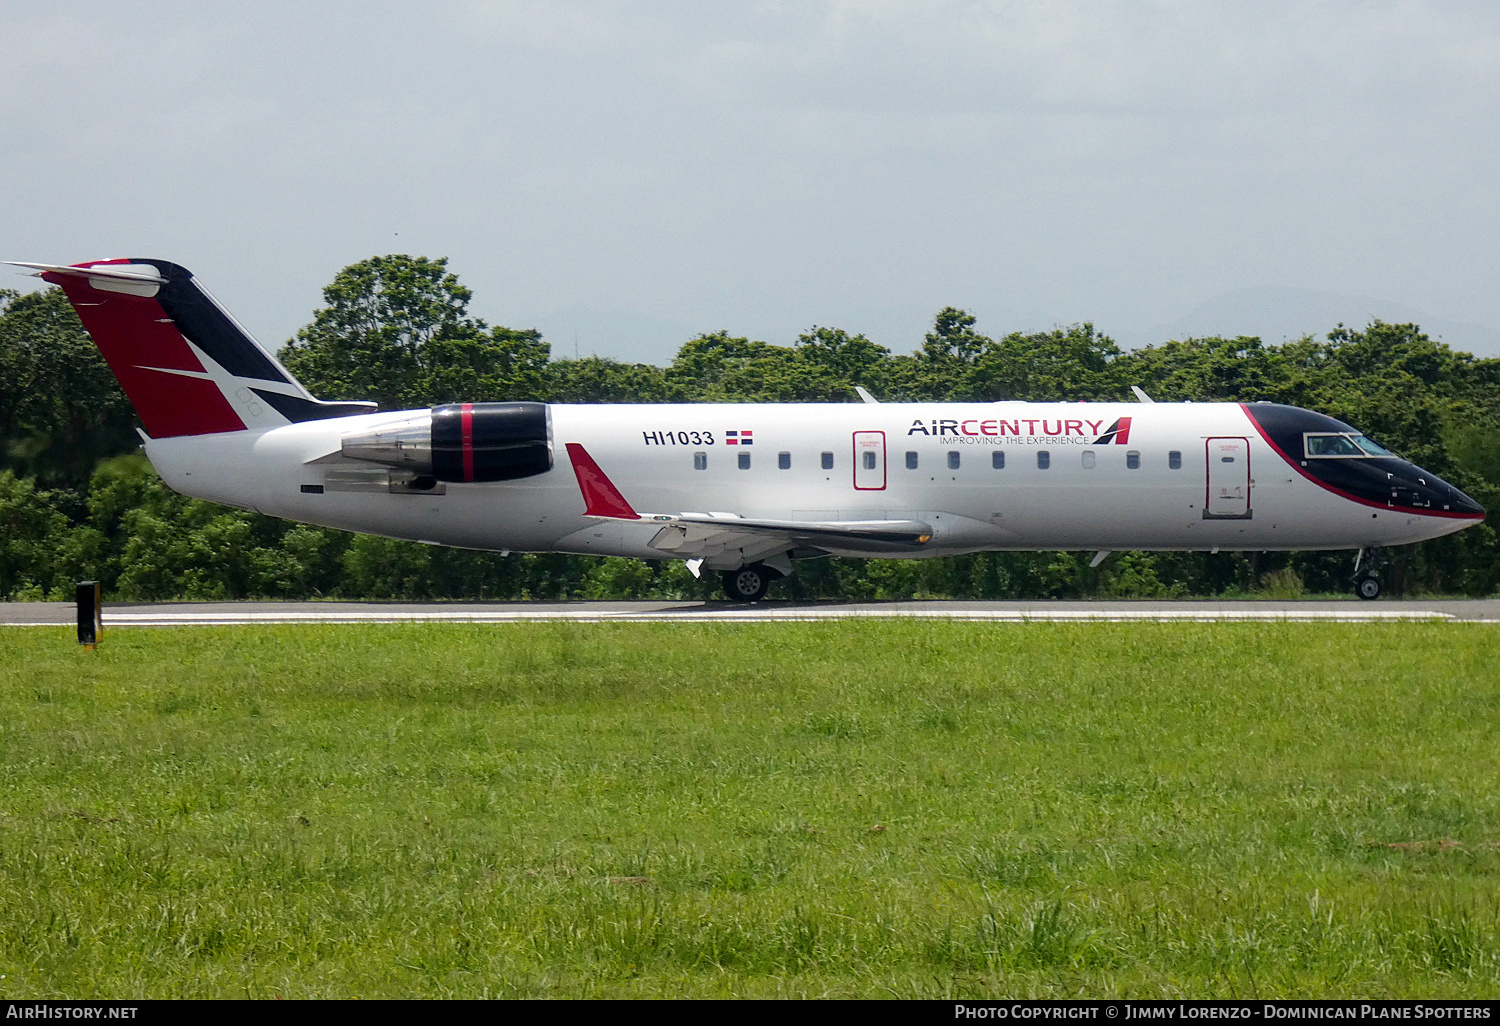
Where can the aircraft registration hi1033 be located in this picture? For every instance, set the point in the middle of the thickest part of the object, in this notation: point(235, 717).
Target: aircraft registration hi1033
point(745, 489)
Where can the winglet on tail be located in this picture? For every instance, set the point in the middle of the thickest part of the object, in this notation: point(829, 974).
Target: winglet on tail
point(187, 367)
point(600, 497)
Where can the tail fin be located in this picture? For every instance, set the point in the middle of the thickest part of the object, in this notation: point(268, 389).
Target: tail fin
point(187, 367)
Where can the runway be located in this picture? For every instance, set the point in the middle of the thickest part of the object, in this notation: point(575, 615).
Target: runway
point(212, 614)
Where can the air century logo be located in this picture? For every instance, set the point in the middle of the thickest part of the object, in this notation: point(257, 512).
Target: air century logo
point(1118, 433)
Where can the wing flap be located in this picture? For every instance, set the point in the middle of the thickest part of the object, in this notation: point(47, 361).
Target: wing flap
point(690, 534)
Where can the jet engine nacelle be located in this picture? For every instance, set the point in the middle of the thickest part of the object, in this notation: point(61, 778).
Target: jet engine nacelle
point(462, 442)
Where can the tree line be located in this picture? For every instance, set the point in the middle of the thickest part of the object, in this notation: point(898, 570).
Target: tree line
point(79, 501)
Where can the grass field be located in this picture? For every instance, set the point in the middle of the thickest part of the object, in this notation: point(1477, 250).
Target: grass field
point(907, 809)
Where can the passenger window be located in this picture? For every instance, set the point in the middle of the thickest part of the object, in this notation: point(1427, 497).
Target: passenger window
point(784, 460)
point(700, 461)
point(1174, 460)
point(828, 461)
point(744, 461)
point(1088, 459)
point(997, 459)
point(1132, 460)
point(869, 461)
point(1043, 459)
point(952, 461)
point(911, 461)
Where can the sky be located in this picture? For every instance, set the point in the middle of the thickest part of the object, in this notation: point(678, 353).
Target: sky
point(627, 175)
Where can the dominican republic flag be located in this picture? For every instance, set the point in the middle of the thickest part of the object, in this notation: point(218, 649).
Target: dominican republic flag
point(739, 438)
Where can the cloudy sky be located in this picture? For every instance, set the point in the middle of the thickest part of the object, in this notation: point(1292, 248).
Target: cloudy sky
point(762, 167)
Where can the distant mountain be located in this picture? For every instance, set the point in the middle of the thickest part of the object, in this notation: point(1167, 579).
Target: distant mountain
point(1278, 314)
point(616, 334)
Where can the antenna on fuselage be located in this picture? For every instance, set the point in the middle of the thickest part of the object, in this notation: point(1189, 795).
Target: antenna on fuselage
point(1141, 395)
point(866, 396)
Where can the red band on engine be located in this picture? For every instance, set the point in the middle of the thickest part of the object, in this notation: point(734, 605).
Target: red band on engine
point(466, 420)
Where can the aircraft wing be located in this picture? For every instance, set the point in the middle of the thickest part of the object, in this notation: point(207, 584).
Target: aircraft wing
point(704, 535)
point(694, 535)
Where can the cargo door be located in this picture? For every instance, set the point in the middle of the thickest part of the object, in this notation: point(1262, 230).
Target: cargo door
point(1228, 495)
point(869, 461)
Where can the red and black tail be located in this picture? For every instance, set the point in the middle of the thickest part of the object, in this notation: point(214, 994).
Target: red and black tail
point(187, 367)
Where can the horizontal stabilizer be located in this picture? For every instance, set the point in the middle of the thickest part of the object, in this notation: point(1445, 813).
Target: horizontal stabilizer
point(132, 279)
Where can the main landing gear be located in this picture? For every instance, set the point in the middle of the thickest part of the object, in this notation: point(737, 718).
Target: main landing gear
point(1367, 567)
point(748, 583)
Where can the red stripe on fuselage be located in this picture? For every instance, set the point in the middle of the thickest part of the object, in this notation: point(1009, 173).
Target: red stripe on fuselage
point(466, 420)
point(1388, 507)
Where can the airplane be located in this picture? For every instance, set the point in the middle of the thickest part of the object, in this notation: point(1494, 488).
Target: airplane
point(747, 490)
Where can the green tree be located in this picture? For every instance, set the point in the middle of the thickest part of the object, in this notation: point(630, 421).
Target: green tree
point(396, 330)
point(502, 365)
point(30, 528)
point(830, 362)
point(947, 356)
point(1075, 363)
point(825, 365)
point(722, 368)
point(594, 379)
point(1217, 369)
point(61, 410)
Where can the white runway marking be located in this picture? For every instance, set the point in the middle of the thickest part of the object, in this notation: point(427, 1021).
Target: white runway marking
point(235, 614)
point(770, 616)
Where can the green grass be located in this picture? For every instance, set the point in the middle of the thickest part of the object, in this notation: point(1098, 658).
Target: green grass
point(849, 809)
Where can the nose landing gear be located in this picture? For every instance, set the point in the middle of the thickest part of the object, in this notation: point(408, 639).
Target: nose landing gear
point(1367, 567)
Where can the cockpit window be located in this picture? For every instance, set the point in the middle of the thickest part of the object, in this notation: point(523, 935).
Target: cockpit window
point(1332, 445)
point(1320, 446)
point(1370, 447)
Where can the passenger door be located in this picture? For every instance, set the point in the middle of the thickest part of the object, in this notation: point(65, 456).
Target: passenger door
point(869, 461)
point(1228, 468)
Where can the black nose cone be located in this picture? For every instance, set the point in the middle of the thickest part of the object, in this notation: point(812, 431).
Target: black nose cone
point(1463, 504)
point(1421, 491)
point(1443, 496)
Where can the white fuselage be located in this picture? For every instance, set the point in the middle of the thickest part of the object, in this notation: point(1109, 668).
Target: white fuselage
point(1093, 494)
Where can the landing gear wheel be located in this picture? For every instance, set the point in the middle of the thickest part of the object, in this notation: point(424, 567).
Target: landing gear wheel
point(748, 583)
point(1367, 566)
